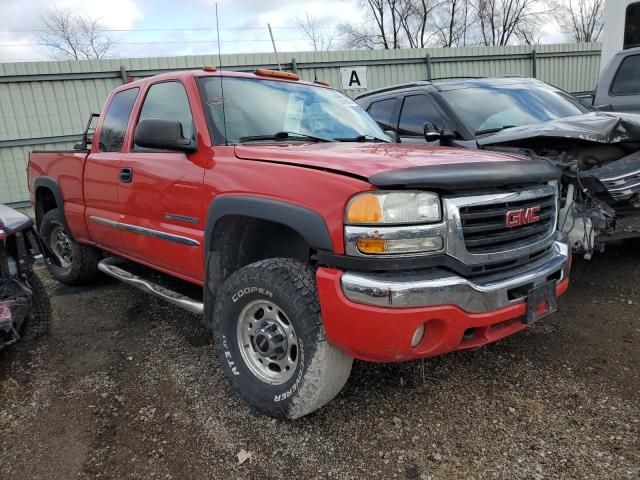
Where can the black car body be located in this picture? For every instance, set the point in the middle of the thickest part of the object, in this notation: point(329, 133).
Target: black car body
point(598, 152)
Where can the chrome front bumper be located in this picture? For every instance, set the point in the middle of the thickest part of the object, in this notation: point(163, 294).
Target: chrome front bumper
point(437, 286)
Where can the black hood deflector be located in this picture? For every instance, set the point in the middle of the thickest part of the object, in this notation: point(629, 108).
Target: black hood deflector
point(597, 127)
point(468, 176)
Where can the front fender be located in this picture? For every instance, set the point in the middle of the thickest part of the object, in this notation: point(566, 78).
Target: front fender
point(308, 223)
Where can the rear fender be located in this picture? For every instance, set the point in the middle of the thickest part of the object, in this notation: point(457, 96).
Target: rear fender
point(51, 185)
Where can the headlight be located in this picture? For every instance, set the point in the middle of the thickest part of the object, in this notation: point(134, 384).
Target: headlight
point(393, 208)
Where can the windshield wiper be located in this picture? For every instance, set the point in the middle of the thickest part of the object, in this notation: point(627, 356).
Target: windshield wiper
point(278, 136)
point(493, 130)
point(361, 138)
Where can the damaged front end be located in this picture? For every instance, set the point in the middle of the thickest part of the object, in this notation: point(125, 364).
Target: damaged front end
point(599, 155)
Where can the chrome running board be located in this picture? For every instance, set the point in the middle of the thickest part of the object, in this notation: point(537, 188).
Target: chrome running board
point(112, 266)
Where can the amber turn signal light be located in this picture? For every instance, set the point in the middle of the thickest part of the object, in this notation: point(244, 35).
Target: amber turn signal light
point(370, 245)
point(364, 209)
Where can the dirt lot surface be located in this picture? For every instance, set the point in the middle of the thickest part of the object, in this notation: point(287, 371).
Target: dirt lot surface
point(128, 387)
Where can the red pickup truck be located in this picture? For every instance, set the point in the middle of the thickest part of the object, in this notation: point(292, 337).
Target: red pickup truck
point(311, 239)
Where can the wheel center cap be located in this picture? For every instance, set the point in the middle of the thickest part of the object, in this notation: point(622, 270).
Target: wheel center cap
point(270, 340)
point(262, 343)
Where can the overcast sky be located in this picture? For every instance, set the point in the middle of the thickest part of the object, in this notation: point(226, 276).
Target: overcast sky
point(180, 27)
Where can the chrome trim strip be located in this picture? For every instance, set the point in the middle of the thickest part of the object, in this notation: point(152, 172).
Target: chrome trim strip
point(439, 287)
point(104, 221)
point(110, 267)
point(623, 176)
point(146, 231)
point(353, 233)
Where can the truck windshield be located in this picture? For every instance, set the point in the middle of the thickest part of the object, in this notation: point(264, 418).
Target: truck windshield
point(488, 109)
point(274, 111)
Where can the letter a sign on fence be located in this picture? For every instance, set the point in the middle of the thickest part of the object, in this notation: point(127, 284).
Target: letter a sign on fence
point(354, 78)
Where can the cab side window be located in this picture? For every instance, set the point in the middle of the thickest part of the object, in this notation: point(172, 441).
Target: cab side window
point(632, 26)
point(627, 80)
point(116, 120)
point(168, 101)
point(382, 112)
point(416, 111)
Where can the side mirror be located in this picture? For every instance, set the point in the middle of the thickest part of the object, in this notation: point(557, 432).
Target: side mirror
point(164, 135)
point(432, 133)
point(393, 135)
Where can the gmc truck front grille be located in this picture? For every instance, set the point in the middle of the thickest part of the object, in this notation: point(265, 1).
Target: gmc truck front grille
point(507, 225)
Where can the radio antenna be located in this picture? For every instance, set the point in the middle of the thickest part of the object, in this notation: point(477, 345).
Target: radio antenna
point(224, 116)
point(273, 42)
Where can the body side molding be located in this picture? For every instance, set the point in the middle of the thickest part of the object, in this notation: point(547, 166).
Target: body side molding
point(146, 231)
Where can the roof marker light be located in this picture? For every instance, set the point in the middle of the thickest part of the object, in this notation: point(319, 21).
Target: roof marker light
point(209, 68)
point(265, 72)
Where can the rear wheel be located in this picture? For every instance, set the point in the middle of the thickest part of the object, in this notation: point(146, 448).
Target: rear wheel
point(271, 342)
point(78, 263)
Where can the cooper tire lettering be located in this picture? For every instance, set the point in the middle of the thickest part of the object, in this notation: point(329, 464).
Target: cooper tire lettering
point(248, 290)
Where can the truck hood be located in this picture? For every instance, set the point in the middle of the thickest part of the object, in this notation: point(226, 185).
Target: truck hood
point(597, 127)
point(364, 159)
point(389, 165)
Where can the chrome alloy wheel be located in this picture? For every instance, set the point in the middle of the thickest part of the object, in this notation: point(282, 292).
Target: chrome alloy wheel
point(267, 342)
point(60, 244)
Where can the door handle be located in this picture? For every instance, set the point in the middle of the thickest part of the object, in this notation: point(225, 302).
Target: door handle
point(126, 175)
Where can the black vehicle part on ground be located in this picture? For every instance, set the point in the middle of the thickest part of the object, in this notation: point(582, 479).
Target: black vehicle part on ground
point(23, 299)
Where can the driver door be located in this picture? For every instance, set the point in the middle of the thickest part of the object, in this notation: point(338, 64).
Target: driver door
point(161, 200)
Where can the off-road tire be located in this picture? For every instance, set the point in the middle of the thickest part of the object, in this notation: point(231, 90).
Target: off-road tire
point(39, 320)
point(322, 370)
point(84, 264)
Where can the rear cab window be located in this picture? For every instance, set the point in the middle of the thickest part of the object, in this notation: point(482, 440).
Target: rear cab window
point(116, 119)
point(627, 79)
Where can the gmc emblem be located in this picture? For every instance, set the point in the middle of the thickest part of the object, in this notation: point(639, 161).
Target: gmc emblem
point(524, 216)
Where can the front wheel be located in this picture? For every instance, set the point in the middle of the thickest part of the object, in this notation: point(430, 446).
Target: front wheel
point(271, 342)
point(78, 263)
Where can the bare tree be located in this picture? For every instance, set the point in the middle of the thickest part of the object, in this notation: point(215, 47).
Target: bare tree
point(582, 19)
point(316, 31)
point(416, 19)
point(502, 21)
point(74, 36)
point(383, 28)
point(452, 23)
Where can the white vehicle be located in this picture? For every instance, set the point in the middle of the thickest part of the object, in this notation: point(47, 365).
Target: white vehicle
point(621, 28)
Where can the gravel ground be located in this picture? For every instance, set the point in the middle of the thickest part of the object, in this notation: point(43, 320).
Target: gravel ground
point(128, 387)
